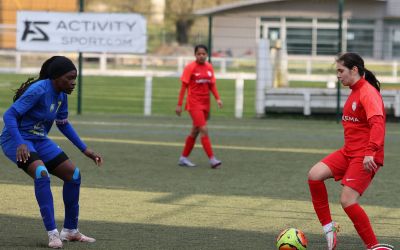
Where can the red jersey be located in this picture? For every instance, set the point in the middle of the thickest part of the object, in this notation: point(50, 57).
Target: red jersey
point(364, 122)
point(199, 79)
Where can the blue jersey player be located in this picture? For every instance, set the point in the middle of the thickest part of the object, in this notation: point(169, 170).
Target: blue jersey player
point(37, 105)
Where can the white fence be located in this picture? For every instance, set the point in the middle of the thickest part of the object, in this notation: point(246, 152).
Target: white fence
point(301, 68)
point(280, 99)
point(308, 101)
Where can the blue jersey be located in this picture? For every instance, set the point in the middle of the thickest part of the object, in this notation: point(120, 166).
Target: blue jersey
point(38, 107)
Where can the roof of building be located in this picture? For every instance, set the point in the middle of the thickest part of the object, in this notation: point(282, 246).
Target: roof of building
point(237, 5)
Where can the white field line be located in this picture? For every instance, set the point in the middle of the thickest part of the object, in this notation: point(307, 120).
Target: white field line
point(175, 144)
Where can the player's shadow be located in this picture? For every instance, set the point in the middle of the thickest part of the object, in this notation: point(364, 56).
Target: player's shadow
point(28, 233)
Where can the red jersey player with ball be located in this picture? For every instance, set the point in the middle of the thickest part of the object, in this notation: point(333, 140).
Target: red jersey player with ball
point(198, 79)
point(361, 156)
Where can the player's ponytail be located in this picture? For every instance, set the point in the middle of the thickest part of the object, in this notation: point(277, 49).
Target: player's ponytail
point(371, 78)
point(43, 74)
point(350, 60)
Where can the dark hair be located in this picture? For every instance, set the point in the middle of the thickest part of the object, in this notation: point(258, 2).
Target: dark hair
point(52, 68)
point(200, 46)
point(350, 60)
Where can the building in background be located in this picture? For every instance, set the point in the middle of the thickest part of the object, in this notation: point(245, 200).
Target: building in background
point(8, 15)
point(307, 27)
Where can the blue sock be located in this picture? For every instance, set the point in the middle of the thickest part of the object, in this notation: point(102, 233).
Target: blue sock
point(44, 198)
point(71, 200)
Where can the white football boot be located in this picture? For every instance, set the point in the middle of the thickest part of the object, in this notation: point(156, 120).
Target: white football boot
point(74, 235)
point(54, 240)
point(215, 163)
point(184, 162)
point(331, 235)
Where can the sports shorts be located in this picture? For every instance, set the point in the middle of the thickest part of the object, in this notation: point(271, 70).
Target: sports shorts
point(199, 117)
point(350, 170)
point(46, 149)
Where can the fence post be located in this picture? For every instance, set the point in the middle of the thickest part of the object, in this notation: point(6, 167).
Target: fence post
point(18, 61)
point(180, 65)
point(239, 97)
point(396, 104)
point(308, 67)
point(223, 65)
point(264, 78)
point(144, 62)
point(103, 62)
point(394, 67)
point(147, 94)
point(307, 103)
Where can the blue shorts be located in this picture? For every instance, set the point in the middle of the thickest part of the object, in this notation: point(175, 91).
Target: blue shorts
point(45, 148)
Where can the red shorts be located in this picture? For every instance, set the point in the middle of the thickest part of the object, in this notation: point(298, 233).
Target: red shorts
point(199, 117)
point(350, 170)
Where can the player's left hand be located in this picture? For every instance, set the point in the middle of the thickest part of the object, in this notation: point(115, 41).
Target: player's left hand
point(220, 104)
point(98, 160)
point(369, 164)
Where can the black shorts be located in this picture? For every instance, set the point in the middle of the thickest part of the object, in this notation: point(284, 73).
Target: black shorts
point(50, 165)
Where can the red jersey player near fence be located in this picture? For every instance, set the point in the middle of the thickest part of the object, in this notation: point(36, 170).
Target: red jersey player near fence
point(357, 162)
point(198, 79)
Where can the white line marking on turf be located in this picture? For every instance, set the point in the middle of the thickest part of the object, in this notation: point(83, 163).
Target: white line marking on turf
point(175, 144)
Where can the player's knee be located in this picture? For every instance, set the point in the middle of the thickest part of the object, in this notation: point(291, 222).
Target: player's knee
point(313, 174)
point(41, 172)
point(347, 199)
point(203, 130)
point(195, 133)
point(76, 175)
point(319, 172)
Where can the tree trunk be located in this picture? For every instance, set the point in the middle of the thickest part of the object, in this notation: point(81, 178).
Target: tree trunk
point(182, 30)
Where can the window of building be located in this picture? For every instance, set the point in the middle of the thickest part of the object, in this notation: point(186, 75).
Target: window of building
point(327, 41)
point(299, 41)
point(361, 41)
point(396, 43)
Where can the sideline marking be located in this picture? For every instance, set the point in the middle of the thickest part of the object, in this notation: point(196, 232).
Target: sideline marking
point(175, 144)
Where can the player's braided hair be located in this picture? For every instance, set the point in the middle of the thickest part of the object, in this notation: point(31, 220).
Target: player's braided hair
point(351, 60)
point(43, 74)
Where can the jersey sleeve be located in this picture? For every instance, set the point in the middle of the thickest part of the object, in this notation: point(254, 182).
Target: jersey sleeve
point(28, 99)
point(187, 74)
point(213, 85)
point(371, 101)
point(182, 93)
point(213, 73)
point(377, 134)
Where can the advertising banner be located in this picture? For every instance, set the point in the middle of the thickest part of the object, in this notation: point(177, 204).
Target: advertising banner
point(81, 32)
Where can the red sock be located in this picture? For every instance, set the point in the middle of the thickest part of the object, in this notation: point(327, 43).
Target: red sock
point(361, 222)
point(205, 141)
point(319, 197)
point(189, 144)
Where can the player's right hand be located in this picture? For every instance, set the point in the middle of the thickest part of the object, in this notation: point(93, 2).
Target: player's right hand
point(178, 110)
point(23, 153)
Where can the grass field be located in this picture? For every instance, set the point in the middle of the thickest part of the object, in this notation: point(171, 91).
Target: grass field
point(140, 198)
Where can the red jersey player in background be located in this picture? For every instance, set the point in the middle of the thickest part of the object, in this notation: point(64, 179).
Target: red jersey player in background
point(361, 156)
point(198, 79)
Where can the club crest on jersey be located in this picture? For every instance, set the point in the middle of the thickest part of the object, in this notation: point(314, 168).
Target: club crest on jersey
point(209, 73)
point(354, 106)
point(52, 107)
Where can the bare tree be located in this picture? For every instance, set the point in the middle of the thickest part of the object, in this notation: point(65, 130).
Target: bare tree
point(180, 12)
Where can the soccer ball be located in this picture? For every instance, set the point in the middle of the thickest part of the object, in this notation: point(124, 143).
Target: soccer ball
point(291, 239)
